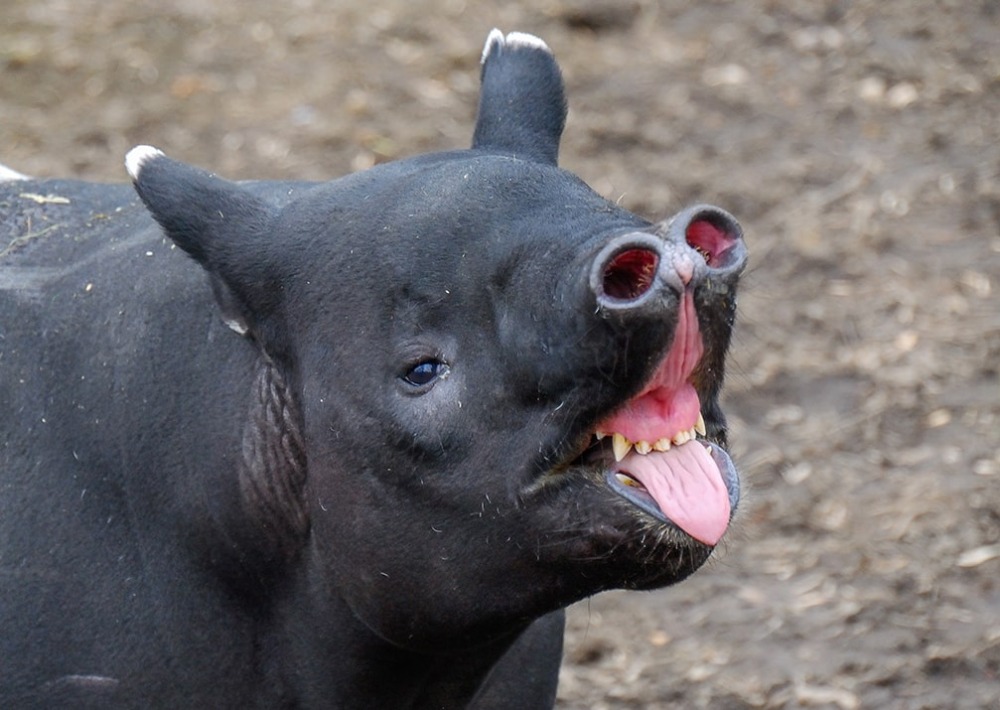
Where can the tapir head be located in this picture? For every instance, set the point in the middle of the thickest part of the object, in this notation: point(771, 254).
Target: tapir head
point(484, 391)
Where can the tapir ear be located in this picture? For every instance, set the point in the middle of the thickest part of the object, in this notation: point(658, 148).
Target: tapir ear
point(522, 104)
point(218, 223)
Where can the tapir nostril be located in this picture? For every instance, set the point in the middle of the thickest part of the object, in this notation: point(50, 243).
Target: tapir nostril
point(713, 235)
point(630, 274)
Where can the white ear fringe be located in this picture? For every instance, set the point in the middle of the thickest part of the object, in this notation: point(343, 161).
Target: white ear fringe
point(137, 157)
point(523, 39)
point(496, 41)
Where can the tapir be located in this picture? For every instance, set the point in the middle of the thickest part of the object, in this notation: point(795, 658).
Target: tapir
point(352, 444)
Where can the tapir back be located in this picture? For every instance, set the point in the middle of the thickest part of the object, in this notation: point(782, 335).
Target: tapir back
point(105, 332)
point(90, 291)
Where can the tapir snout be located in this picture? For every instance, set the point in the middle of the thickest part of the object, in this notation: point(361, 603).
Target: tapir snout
point(636, 268)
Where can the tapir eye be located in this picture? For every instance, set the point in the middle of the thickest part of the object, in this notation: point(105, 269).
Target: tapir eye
point(425, 372)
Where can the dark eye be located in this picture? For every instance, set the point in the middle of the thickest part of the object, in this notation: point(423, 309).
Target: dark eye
point(424, 372)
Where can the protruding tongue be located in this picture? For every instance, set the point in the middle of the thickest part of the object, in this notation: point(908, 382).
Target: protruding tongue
point(687, 485)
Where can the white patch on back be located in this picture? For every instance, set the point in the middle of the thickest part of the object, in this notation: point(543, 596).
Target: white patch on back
point(136, 157)
point(8, 174)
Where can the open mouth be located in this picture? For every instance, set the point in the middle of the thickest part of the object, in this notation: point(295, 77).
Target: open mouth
point(662, 462)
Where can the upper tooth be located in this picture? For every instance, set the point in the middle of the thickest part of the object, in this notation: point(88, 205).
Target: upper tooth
point(621, 446)
point(662, 444)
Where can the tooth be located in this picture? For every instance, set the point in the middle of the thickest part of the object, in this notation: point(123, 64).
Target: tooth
point(699, 426)
point(627, 480)
point(643, 447)
point(600, 435)
point(680, 437)
point(662, 444)
point(621, 446)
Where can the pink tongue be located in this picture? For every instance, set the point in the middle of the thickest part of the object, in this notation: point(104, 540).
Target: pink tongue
point(687, 485)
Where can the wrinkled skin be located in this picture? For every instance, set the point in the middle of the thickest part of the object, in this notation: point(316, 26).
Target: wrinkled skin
point(372, 482)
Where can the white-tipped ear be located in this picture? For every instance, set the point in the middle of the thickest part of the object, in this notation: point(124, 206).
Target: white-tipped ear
point(496, 41)
point(523, 39)
point(137, 157)
point(522, 102)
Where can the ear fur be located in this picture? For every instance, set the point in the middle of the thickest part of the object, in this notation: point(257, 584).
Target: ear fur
point(522, 102)
point(218, 223)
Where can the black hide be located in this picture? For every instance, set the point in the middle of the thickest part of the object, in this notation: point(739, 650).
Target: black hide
point(287, 445)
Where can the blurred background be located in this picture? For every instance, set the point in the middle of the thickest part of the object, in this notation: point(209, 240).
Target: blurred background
point(858, 142)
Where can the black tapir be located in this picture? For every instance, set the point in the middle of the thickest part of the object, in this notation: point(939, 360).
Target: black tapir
point(446, 397)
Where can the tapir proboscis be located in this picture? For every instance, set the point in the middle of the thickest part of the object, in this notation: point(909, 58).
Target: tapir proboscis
point(353, 444)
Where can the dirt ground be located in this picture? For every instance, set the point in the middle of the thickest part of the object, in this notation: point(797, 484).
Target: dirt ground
point(858, 142)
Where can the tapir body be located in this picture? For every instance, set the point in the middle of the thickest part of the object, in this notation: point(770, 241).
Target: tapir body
point(353, 444)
